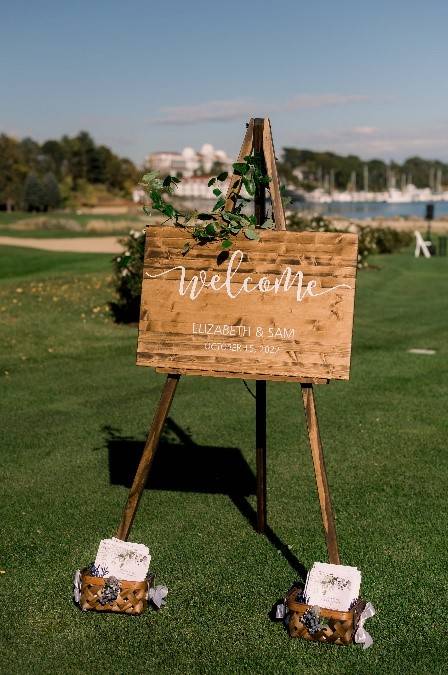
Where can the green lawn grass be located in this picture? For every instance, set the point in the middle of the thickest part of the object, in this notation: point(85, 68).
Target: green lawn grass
point(75, 409)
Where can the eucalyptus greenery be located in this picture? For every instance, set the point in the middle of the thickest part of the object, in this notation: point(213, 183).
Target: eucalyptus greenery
point(220, 224)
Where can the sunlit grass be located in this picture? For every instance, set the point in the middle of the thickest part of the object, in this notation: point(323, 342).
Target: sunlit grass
point(75, 409)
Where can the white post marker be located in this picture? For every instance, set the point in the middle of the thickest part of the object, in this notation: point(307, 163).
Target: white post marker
point(421, 246)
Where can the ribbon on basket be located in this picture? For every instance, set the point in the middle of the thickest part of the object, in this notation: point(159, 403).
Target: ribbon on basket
point(77, 586)
point(157, 595)
point(280, 610)
point(361, 635)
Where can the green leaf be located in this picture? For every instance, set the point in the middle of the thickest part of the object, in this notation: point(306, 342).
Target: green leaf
point(217, 192)
point(219, 204)
point(167, 181)
point(240, 168)
point(250, 233)
point(149, 177)
point(168, 210)
point(223, 176)
point(155, 196)
point(200, 233)
point(211, 182)
point(175, 179)
point(249, 185)
point(268, 224)
point(225, 244)
point(210, 230)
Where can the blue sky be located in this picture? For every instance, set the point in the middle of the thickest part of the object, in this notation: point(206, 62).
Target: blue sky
point(353, 77)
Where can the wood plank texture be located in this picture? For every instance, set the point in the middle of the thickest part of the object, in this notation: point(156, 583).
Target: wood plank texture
point(235, 180)
point(260, 445)
point(266, 329)
point(271, 170)
point(320, 473)
point(147, 456)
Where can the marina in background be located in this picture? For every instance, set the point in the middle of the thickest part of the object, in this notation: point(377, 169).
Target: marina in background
point(356, 210)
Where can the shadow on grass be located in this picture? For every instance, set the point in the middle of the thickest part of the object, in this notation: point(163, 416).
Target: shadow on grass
point(182, 465)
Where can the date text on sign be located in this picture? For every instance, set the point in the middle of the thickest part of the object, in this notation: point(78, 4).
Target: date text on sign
point(279, 308)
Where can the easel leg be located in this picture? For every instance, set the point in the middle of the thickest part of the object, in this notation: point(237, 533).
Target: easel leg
point(260, 440)
point(320, 473)
point(147, 456)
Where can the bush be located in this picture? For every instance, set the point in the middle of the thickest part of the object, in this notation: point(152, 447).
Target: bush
point(389, 240)
point(127, 274)
point(47, 223)
point(33, 194)
point(51, 189)
point(371, 240)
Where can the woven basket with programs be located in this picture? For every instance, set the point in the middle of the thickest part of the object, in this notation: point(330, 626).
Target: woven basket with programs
point(111, 595)
point(337, 628)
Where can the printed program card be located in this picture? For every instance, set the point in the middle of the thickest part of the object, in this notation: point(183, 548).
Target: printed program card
point(123, 559)
point(332, 586)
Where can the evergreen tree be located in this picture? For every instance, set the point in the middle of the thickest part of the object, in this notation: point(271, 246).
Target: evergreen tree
point(53, 152)
point(51, 190)
point(33, 194)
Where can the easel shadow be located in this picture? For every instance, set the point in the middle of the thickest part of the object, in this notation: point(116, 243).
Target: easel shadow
point(182, 465)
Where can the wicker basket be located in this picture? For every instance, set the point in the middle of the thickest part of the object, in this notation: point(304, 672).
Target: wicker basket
point(339, 629)
point(132, 598)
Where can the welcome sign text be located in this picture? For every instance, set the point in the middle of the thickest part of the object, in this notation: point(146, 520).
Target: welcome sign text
point(279, 308)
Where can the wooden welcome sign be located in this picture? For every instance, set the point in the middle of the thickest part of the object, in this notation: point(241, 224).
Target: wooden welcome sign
point(280, 308)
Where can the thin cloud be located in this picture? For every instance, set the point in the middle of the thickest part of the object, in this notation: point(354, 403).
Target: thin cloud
point(324, 100)
point(369, 141)
point(228, 110)
point(210, 111)
point(364, 131)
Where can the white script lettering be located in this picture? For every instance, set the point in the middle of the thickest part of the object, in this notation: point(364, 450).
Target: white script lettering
point(285, 281)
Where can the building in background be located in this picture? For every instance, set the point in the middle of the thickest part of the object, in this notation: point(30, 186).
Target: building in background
point(195, 168)
point(189, 162)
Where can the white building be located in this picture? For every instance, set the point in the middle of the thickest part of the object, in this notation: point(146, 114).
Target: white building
point(197, 186)
point(188, 162)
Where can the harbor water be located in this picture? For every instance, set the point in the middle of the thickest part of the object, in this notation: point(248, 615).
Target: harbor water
point(363, 210)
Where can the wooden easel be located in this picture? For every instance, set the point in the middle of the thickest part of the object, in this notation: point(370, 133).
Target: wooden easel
point(258, 138)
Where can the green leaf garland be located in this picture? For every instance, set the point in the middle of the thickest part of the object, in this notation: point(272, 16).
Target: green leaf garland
point(221, 224)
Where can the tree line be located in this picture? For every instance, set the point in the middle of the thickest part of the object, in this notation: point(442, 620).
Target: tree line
point(42, 176)
point(74, 170)
point(309, 170)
